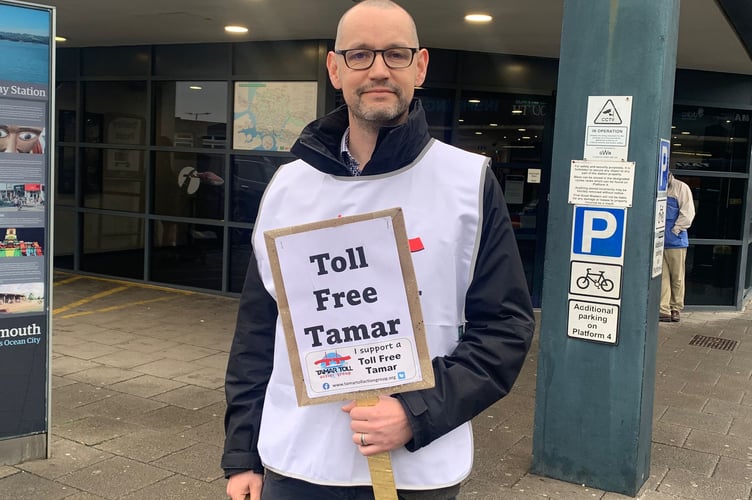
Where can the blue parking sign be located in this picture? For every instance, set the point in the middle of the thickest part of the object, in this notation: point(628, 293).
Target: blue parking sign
point(599, 231)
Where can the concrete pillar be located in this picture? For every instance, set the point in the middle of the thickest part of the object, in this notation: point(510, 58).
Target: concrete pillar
point(594, 399)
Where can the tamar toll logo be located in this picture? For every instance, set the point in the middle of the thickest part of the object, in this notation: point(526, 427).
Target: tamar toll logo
point(333, 365)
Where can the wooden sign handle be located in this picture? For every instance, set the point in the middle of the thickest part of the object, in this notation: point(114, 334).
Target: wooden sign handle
point(380, 465)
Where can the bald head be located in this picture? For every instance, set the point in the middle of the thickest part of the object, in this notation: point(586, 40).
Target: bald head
point(376, 4)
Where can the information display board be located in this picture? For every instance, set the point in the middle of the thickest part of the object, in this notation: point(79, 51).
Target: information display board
point(26, 75)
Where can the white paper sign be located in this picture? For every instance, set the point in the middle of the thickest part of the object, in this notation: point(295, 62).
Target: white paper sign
point(601, 183)
point(346, 302)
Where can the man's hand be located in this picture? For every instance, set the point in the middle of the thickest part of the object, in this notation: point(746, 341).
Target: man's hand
point(384, 426)
point(675, 230)
point(245, 483)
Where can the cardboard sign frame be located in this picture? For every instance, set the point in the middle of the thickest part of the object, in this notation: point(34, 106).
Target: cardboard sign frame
point(413, 302)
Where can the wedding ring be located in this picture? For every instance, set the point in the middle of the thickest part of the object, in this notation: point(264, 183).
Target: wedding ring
point(363, 439)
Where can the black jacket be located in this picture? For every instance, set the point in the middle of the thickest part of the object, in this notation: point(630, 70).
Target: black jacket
point(499, 317)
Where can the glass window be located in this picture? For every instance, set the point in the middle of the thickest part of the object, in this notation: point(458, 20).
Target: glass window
point(250, 175)
point(189, 185)
point(438, 105)
point(709, 139)
point(64, 238)
point(192, 59)
point(187, 254)
point(115, 112)
point(719, 206)
point(507, 128)
point(65, 176)
point(115, 61)
point(191, 114)
point(114, 179)
point(240, 253)
point(65, 101)
point(113, 245)
point(711, 274)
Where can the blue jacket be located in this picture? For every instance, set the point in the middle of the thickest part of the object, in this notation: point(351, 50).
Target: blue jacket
point(680, 211)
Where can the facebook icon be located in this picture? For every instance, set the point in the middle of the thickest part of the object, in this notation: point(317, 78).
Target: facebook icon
point(599, 231)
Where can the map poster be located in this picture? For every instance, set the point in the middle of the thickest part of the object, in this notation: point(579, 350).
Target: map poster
point(269, 116)
point(26, 45)
point(349, 306)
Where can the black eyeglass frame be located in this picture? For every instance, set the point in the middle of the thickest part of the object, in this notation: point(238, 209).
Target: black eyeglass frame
point(344, 52)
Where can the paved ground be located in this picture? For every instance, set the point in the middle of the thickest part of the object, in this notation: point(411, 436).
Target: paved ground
point(138, 404)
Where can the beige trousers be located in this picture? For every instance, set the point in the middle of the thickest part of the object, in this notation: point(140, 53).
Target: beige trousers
point(672, 280)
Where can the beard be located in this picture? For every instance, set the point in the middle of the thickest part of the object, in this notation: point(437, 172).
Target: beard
point(379, 114)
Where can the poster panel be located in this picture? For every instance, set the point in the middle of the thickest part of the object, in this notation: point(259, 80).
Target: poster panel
point(27, 47)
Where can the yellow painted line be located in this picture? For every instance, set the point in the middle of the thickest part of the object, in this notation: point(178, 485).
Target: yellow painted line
point(115, 308)
point(67, 280)
point(132, 283)
point(90, 298)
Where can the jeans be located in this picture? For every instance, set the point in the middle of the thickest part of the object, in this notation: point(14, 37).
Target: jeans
point(277, 487)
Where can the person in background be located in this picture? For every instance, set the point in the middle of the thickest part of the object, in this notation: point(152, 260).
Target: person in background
point(680, 211)
point(374, 153)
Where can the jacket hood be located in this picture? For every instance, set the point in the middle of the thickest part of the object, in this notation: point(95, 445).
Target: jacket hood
point(319, 142)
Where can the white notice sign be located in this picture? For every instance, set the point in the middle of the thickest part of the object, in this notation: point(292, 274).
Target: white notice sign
point(601, 183)
point(533, 176)
point(349, 305)
point(658, 241)
point(607, 128)
point(594, 321)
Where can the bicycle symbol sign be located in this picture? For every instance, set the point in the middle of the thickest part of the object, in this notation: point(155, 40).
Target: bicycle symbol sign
point(595, 279)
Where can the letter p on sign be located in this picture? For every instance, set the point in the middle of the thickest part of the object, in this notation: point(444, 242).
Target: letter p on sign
point(599, 231)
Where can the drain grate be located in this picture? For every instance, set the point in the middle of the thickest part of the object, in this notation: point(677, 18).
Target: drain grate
point(714, 342)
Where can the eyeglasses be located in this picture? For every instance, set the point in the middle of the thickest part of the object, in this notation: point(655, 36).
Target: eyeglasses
point(394, 58)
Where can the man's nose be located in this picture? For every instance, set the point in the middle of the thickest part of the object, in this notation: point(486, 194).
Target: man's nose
point(379, 69)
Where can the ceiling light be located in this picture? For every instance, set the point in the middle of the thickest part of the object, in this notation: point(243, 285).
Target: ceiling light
point(685, 133)
point(474, 101)
point(493, 124)
point(195, 87)
point(516, 111)
point(526, 137)
point(676, 144)
point(478, 18)
point(236, 29)
point(521, 130)
point(479, 133)
point(61, 39)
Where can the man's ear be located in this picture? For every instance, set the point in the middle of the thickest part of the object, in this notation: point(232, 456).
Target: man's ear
point(332, 67)
point(422, 66)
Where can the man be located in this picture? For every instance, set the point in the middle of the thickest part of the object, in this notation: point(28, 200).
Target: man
point(680, 210)
point(20, 139)
point(372, 154)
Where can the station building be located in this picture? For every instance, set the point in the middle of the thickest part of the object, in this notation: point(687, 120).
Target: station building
point(151, 184)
